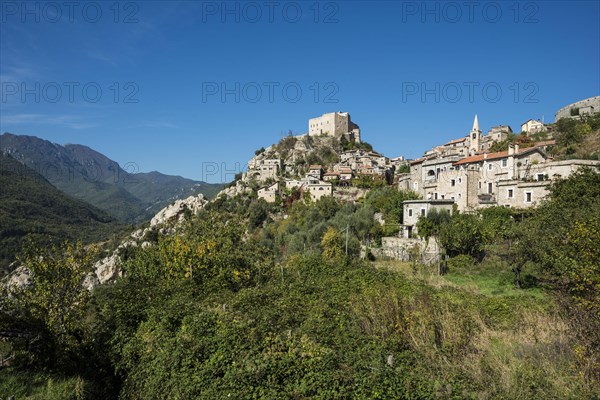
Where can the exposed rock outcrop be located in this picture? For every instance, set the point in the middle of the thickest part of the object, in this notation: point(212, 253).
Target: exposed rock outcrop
point(18, 278)
point(177, 210)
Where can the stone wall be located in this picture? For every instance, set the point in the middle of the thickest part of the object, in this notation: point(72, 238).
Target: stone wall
point(399, 248)
point(590, 105)
point(350, 194)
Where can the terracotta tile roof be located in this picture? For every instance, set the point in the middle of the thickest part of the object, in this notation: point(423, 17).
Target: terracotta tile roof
point(481, 157)
point(331, 173)
point(500, 154)
point(418, 161)
point(315, 167)
point(455, 141)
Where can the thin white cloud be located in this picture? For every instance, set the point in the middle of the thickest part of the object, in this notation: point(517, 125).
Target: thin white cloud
point(67, 121)
point(99, 56)
point(16, 74)
point(159, 124)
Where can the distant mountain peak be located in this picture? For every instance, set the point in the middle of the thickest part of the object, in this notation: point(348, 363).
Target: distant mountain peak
point(87, 174)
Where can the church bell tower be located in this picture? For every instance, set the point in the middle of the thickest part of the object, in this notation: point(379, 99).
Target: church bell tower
point(474, 137)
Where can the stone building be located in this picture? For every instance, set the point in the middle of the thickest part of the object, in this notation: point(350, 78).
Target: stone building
point(331, 176)
point(316, 171)
point(514, 178)
point(316, 187)
point(530, 185)
point(532, 126)
point(263, 169)
point(345, 173)
point(474, 142)
point(414, 209)
point(334, 124)
point(269, 193)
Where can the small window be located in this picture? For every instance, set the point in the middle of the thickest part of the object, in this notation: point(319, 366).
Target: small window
point(510, 194)
point(460, 195)
point(490, 166)
point(504, 162)
point(540, 177)
point(490, 187)
point(410, 212)
point(459, 180)
point(435, 196)
point(479, 185)
point(452, 182)
point(422, 212)
point(527, 197)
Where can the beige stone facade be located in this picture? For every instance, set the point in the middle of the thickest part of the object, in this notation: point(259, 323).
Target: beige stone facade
point(269, 193)
point(334, 124)
point(264, 169)
point(515, 178)
point(414, 209)
point(533, 126)
point(316, 171)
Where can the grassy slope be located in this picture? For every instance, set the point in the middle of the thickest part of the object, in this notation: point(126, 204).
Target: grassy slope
point(521, 346)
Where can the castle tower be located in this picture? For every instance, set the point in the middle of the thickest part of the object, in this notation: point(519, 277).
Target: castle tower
point(474, 137)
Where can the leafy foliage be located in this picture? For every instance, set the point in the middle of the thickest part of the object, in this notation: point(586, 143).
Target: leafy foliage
point(562, 238)
point(578, 138)
point(388, 201)
point(234, 304)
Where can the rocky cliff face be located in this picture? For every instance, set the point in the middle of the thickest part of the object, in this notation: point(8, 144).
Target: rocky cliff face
point(108, 269)
point(178, 210)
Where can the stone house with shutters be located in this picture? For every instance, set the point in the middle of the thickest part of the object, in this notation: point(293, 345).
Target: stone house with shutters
point(264, 169)
point(414, 209)
point(269, 193)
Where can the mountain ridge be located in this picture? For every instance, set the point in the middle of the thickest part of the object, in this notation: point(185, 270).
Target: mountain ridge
point(31, 207)
point(89, 175)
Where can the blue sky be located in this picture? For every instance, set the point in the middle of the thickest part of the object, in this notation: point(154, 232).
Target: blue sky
point(185, 85)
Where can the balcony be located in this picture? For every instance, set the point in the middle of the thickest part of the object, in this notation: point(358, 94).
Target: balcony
point(487, 198)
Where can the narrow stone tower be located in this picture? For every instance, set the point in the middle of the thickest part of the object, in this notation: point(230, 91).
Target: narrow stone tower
point(474, 137)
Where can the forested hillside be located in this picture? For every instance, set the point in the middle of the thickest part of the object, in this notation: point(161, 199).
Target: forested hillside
point(32, 209)
point(240, 302)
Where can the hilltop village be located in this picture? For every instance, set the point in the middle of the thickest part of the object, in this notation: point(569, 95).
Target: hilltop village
point(468, 173)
